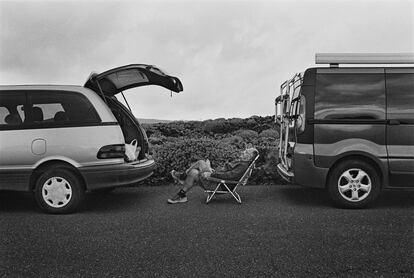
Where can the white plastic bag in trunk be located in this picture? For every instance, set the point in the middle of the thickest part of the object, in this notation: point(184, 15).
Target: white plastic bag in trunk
point(132, 150)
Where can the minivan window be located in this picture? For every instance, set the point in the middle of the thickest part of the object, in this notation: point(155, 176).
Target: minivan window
point(11, 109)
point(400, 97)
point(61, 108)
point(350, 97)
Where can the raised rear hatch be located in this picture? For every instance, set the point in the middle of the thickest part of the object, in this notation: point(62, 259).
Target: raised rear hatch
point(119, 79)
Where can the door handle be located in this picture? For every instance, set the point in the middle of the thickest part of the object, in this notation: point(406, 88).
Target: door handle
point(394, 122)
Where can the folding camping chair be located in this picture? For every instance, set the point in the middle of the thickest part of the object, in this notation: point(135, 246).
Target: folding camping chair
point(229, 186)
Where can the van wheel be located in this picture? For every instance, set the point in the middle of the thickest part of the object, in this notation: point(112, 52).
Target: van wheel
point(59, 191)
point(354, 184)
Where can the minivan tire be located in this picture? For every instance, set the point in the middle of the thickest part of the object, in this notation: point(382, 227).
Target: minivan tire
point(354, 184)
point(59, 191)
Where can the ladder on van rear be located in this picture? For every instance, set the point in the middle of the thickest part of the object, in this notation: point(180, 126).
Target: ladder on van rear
point(286, 111)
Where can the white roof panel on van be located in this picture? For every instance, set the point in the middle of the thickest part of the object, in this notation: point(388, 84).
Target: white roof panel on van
point(364, 58)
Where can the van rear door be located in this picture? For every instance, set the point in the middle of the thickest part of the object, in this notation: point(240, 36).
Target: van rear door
point(400, 127)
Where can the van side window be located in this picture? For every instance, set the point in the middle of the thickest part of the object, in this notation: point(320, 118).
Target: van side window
point(57, 108)
point(12, 114)
point(400, 97)
point(350, 97)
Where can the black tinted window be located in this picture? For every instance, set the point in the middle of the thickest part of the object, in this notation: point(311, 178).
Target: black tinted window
point(350, 96)
point(12, 112)
point(61, 108)
point(400, 96)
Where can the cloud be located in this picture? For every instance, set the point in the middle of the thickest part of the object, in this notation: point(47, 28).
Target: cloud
point(230, 55)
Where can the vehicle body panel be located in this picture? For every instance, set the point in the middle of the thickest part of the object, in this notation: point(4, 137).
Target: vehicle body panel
point(314, 176)
point(400, 128)
point(332, 141)
point(63, 143)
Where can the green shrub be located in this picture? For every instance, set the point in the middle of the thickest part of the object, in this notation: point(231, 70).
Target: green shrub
point(217, 126)
point(266, 172)
point(155, 140)
point(247, 134)
point(180, 153)
point(235, 140)
point(269, 133)
point(236, 122)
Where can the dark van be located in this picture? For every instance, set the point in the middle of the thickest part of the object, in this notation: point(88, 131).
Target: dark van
point(349, 129)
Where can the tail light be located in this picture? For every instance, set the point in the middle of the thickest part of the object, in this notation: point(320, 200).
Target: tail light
point(300, 121)
point(111, 151)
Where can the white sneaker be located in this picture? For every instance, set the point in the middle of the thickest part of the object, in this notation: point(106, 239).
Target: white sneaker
point(177, 199)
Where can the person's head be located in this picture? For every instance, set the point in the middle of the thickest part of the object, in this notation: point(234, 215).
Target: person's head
point(249, 153)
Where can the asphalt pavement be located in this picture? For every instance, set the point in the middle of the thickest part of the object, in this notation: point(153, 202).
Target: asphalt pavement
point(278, 231)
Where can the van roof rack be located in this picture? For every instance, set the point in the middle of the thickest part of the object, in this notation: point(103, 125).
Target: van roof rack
point(334, 59)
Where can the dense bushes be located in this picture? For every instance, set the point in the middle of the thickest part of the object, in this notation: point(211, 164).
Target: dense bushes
point(179, 154)
point(176, 145)
point(217, 127)
point(269, 133)
point(247, 134)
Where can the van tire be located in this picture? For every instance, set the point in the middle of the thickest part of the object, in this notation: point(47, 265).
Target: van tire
point(59, 191)
point(354, 184)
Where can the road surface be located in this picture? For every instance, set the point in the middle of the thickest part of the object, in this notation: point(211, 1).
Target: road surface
point(278, 231)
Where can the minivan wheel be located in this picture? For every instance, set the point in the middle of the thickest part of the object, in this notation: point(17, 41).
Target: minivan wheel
point(59, 191)
point(354, 184)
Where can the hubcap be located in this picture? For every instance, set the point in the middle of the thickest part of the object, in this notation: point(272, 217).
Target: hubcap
point(57, 192)
point(354, 185)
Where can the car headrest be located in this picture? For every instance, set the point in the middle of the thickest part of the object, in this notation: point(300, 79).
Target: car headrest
point(13, 119)
point(37, 114)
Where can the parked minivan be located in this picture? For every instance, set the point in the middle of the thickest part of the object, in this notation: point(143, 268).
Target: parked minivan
point(61, 141)
point(349, 129)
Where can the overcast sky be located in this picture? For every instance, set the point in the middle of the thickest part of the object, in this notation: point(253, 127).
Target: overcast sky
point(231, 56)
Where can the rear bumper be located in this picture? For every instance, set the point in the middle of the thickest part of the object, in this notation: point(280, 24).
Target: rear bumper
point(97, 177)
point(284, 173)
point(304, 172)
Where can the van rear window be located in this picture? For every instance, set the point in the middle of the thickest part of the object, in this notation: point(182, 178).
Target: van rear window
point(350, 97)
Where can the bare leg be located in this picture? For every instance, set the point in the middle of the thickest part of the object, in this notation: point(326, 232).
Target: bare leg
point(192, 177)
point(200, 165)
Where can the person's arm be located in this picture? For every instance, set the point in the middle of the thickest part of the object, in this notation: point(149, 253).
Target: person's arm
point(231, 165)
point(234, 174)
point(228, 166)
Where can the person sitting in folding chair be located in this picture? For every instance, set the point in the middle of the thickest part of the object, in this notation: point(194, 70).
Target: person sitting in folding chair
point(202, 172)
